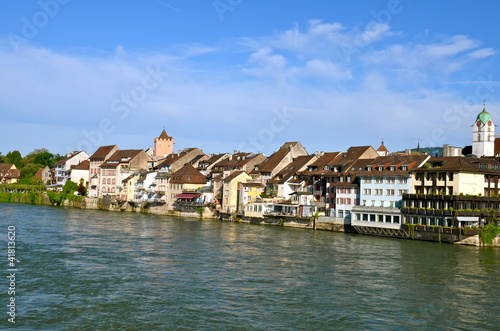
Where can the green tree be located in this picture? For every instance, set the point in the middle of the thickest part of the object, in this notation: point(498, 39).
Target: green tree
point(44, 159)
point(15, 158)
point(29, 170)
point(2, 159)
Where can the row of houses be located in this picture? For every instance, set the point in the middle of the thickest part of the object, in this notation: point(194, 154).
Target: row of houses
point(362, 186)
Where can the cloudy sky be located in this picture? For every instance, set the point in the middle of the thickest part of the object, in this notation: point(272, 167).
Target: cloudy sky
point(247, 75)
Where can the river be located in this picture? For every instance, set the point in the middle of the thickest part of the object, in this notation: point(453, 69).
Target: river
point(97, 270)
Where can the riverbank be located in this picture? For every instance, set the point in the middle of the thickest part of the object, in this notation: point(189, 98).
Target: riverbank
point(425, 233)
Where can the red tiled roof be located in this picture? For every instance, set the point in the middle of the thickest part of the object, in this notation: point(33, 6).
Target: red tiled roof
point(102, 152)
point(233, 175)
point(124, 153)
point(84, 165)
point(274, 160)
point(164, 135)
point(188, 175)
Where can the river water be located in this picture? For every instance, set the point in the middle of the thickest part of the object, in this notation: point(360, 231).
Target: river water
point(96, 270)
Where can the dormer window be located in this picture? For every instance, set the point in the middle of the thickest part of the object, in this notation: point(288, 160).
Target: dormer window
point(369, 168)
point(392, 167)
point(380, 168)
point(326, 168)
point(404, 167)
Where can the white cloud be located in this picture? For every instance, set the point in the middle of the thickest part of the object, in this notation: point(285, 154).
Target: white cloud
point(450, 47)
point(326, 69)
point(385, 90)
point(481, 53)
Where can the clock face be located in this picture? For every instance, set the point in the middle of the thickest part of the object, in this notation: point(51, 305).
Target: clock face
point(489, 123)
point(478, 123)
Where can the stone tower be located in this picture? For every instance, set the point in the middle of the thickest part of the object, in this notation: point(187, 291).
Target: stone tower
point(164, 145)
point(483, 135)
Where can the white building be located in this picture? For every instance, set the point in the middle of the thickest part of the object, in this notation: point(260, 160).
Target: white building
point(483, 135)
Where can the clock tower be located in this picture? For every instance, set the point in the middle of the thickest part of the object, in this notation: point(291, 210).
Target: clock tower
point(483, 135)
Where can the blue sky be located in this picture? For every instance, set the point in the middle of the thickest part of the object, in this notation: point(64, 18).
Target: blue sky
point(246, 75)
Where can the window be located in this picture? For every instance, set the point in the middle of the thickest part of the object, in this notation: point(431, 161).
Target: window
point(348, 201)
point(390, 191)
point(378, 191)
point(379, 180)
point(367, 180)
point(391, 180)
point(367, 191)
point(401, 192)
point(403, 180)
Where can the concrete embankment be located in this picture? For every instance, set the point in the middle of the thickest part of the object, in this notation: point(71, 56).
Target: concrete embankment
point(426, 233)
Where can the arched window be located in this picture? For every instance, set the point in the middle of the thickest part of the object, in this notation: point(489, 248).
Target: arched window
point(112, 190)
point(109, 181)
point(104, 190)
point(113, 182)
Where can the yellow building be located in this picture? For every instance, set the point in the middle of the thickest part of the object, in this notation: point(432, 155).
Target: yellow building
point(250, 192)
point(230, 196)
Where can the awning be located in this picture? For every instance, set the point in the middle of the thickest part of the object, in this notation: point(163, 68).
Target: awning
point(187, 195)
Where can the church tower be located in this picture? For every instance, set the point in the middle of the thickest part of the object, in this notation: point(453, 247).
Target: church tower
point(164, 145)
point(483, 135)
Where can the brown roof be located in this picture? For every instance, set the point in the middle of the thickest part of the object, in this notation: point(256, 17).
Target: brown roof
point(119, 155)
point(466, 164)
point(39, 173)
point(382, 148)
point(9, 171)
point(102, 152)
point(164, 135)
point(188, 175)
point(292, 169)
point(274, 160)
point(233, 175)
point(84, 165)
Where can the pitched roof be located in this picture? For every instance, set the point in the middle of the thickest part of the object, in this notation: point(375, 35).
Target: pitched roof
point(233, 175)
point(292, 169)
point(84, 165)
point(275, 159)
point(120, 155)
point(102, 151)
point(382, 148)
point(465, 164)
point(9, 171)
point(188, 175)
point(164, 135)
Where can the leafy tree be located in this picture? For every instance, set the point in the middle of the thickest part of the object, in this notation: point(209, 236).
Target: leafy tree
point(2, 158)
point(44, 159)
point(15, 158)
point(29, 170)
point(69, 187)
